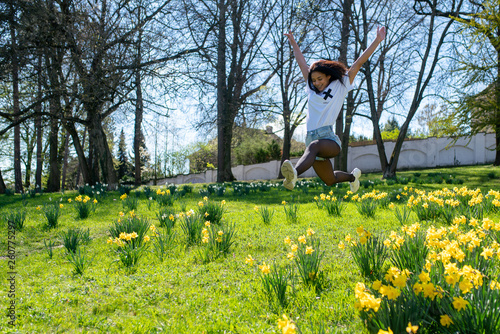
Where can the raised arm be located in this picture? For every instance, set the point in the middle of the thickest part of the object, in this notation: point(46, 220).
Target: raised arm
point(366, 54)
point(304, 68)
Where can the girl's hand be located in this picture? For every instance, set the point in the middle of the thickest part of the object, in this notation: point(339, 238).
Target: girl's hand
point(380, 33)
point(290, 36)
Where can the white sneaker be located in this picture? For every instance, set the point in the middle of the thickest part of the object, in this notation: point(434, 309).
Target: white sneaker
point(290, 174)
point(355, 184)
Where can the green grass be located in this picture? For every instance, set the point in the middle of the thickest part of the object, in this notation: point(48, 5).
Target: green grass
point(180, 294)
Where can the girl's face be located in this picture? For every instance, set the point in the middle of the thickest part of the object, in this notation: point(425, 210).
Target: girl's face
point(320, 80)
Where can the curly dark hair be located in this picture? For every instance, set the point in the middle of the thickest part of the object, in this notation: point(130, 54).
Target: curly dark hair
point(335, 69)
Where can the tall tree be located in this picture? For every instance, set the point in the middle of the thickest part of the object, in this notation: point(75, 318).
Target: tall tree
point(238, 31)
point(18, 182)
point(479, 62)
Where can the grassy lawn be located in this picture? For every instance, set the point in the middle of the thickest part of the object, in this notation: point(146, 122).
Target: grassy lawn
point(182, 294)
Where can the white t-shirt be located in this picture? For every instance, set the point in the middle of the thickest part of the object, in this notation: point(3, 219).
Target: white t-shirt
point(324, 108)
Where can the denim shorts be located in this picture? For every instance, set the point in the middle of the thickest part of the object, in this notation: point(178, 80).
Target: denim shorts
point(324, 132)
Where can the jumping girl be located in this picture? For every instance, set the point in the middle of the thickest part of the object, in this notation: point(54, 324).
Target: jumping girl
point(327, 85)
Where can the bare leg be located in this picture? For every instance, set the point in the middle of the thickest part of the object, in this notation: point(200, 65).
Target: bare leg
point(325, 171)
point(323, 148)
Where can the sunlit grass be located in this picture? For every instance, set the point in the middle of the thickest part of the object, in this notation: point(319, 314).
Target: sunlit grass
point(181, 294)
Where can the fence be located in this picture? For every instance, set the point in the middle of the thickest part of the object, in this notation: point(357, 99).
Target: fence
point(415, 154)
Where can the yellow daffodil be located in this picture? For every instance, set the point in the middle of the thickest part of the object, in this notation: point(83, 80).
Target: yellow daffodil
point(302, 239)
point(445, 320)
point(146, 238)
point(309, 250)
point(249, 260)
point(310, 231)
point(264, 268)
point(287, 240)
point(411, 329)
point(388, 331)
point(459, 303)
point(341, 245)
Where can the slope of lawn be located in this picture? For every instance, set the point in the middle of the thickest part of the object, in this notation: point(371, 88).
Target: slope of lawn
point(182, 294)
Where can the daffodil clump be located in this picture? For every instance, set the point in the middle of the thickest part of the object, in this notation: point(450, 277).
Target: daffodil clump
point(216, 241)
point(306, 254)
point(368, 203)
point(167, 217)
point(275, 281)
point(164, 197)
point(368, 252)
point(129, 234)
point(445, 204)
point(84, 205)
point(52, 213)
point(291, 212)
point(265, 213)
point(334, 205)
point(212, 211)
point(444, 279)
point(192, 224)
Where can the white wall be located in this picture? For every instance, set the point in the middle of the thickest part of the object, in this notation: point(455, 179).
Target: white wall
point(419, 153)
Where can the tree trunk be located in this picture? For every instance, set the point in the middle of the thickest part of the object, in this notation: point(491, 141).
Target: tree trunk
point(497, 155)
point(341, 159)
point(103, 156)
point(137, 129)
point(2, 184)
point(39, 130)
point(224, 129)
point(287, 139)
point(83, 165)
point(54, 179)
point(139, 110)
point(65, 160)
point(349, 111)
point(18, 179)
